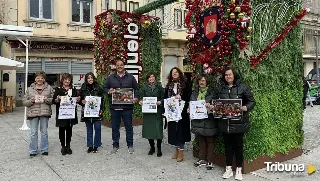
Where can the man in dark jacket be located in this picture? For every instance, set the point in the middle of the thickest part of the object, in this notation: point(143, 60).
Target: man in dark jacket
point(121, 79)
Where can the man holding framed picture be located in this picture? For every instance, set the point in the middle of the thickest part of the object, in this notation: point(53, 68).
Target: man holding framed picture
point(123, 91)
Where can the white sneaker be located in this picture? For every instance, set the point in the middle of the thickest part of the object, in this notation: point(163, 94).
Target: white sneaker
point(238, 173)
point(228, 173)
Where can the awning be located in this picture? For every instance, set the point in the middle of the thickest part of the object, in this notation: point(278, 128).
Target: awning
point(8, 64)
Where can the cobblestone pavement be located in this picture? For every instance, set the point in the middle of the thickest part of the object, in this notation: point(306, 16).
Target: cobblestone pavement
point(15, 163)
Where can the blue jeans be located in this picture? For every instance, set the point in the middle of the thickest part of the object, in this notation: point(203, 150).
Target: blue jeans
point(180, 146)
point(96, 142)
point(34, 125)
point(309, 98)
point(126, 116)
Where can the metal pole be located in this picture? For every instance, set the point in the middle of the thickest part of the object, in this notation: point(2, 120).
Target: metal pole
point(25, 126)
point(317, 62)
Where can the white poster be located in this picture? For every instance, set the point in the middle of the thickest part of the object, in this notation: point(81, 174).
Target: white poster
point(149, 105)
point(67, 109)
point(198, 110)
point(172, 109)
point(92, 106)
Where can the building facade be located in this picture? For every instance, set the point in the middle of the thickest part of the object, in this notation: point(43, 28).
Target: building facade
point(311, 27)
point(63, 37)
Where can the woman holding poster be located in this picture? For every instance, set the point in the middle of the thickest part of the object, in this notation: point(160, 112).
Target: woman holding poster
point(90, 91)
point(152, 128)
point(205, 128)
point(178, 131)
point(66, 96)
point(38, 100)
point(231, 87)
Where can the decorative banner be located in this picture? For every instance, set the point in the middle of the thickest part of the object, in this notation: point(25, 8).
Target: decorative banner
point(256, 60)
point(210, 29)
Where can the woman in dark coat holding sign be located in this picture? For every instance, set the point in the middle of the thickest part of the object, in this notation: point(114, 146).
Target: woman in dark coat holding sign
point(231, 87)
point(178, 132)
point(152, 128)
point(206, 128)
point(92, 88)
point(65, 125)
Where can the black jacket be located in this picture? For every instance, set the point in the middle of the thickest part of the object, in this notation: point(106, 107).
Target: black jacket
point(238, 91)
point(59, 91)
point(127, 81)
point(95, 90)
point(208, 126)
point(179, 132)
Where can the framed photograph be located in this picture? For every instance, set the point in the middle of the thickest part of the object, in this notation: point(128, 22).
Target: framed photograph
point(123, 96)
point(227, 108)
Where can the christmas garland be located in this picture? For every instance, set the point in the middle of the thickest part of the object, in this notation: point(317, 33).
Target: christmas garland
point(152, 6)
point(256, 60)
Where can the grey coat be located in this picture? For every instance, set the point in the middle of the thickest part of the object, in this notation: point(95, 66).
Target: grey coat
point(38, 109)
point(204, 127)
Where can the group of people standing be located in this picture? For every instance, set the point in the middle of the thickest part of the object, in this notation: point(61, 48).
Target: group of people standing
point(179, 132)
point(40, 96)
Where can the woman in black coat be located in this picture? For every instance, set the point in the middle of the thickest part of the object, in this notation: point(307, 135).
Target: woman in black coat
point(206, 128)
point(91, 87)
point(178, 132)
point(231, 87)
point(65, 125)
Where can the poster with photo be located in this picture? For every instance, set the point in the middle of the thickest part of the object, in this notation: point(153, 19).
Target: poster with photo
point(172, 109)
point(227, 108)
point(123, 96)
point(149, 105)
point(198, 110)
point(67, 109)
point(92, 106)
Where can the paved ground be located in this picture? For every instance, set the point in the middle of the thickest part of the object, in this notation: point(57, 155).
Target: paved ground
point(15, 163)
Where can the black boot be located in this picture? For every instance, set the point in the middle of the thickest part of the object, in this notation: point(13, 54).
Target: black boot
point(63, 150)
point(95, 150)
point(69, 151)
point(159, 152)
point(152, 149)
point(90, 149)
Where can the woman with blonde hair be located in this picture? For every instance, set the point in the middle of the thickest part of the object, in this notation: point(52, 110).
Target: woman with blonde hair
point(38, 100)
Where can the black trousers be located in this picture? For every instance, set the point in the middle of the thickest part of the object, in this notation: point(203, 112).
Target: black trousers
point(159, 142)
point(233, 144)
point(65, 134)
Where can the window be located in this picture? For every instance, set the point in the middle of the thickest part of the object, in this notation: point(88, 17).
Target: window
point(158, 13)
point(178, 18)
point(106, 5)
point(40, 9)
point(121, 5)
point(133, 6)
point(81, 11)
point(314, 64)
point(184, 17)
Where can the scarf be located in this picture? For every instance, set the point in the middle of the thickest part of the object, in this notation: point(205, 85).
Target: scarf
point(202, 93)
point(152, 86)
point(171, 91)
